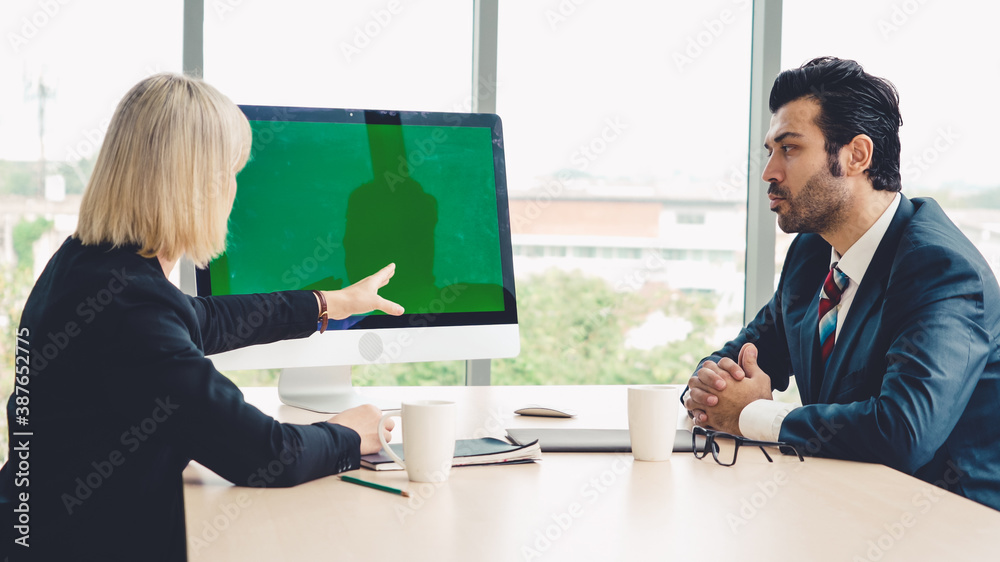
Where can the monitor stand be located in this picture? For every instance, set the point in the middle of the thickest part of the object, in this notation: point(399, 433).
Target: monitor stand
point(324, 389)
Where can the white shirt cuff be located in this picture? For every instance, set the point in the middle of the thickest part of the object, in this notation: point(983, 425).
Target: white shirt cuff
point(761, 419)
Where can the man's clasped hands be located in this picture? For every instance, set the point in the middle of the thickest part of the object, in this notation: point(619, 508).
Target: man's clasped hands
point(718, 392)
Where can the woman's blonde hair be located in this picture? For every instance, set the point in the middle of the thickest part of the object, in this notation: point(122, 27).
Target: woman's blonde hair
point(161, 180)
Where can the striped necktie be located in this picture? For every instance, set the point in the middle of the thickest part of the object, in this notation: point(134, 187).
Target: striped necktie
point(829, 304)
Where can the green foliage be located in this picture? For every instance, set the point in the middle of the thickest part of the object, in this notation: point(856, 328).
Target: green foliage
point(18, 178)
point(24, 237)
point(573, 331)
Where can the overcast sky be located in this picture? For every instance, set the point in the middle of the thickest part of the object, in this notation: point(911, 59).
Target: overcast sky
point(663, 85)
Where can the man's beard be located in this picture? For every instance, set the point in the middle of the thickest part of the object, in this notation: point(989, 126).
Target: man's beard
point(821, 206)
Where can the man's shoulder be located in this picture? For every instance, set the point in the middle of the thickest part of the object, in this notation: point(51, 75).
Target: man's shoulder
point(930, 226)
point(932, 245)
point(926, 210)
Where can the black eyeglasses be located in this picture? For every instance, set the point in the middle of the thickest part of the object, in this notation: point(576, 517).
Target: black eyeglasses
point(725, 446)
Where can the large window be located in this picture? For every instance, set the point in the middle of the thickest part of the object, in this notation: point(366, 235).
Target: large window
point(626, 137)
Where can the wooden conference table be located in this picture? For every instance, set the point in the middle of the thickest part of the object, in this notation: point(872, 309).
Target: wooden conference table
point(584, 506)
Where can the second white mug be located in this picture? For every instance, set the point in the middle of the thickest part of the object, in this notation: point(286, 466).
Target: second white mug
point(652, 421)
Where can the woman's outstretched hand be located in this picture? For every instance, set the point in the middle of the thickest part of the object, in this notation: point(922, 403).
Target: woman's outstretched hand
point(362, 296)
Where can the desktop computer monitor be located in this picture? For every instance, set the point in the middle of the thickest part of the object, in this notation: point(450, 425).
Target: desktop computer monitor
point(331, 196)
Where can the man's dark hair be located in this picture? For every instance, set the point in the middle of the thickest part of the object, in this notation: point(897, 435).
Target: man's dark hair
point(852, 102)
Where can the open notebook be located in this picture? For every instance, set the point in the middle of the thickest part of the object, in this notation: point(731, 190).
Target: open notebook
point(468, 452)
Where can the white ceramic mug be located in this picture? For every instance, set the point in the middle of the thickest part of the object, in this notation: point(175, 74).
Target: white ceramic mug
point(428, 439)
point(652, 421)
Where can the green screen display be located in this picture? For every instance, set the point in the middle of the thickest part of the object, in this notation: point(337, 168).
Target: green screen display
point(322, 205)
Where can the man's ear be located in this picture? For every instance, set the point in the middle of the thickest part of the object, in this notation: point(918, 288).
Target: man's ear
point(859, 154)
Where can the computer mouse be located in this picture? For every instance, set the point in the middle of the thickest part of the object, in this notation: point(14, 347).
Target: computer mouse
point(544, 411)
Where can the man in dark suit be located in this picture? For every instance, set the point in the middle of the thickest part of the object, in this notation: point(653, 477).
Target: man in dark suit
point(886, 314)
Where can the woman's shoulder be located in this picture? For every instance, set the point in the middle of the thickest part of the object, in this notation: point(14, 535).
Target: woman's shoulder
point(97, 277)
point(116, 265)
point(104, 299)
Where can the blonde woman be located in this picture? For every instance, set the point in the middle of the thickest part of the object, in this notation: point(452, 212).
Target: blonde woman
point(122, 396)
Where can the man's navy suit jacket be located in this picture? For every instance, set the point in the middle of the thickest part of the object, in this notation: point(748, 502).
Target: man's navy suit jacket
point(914, 378)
